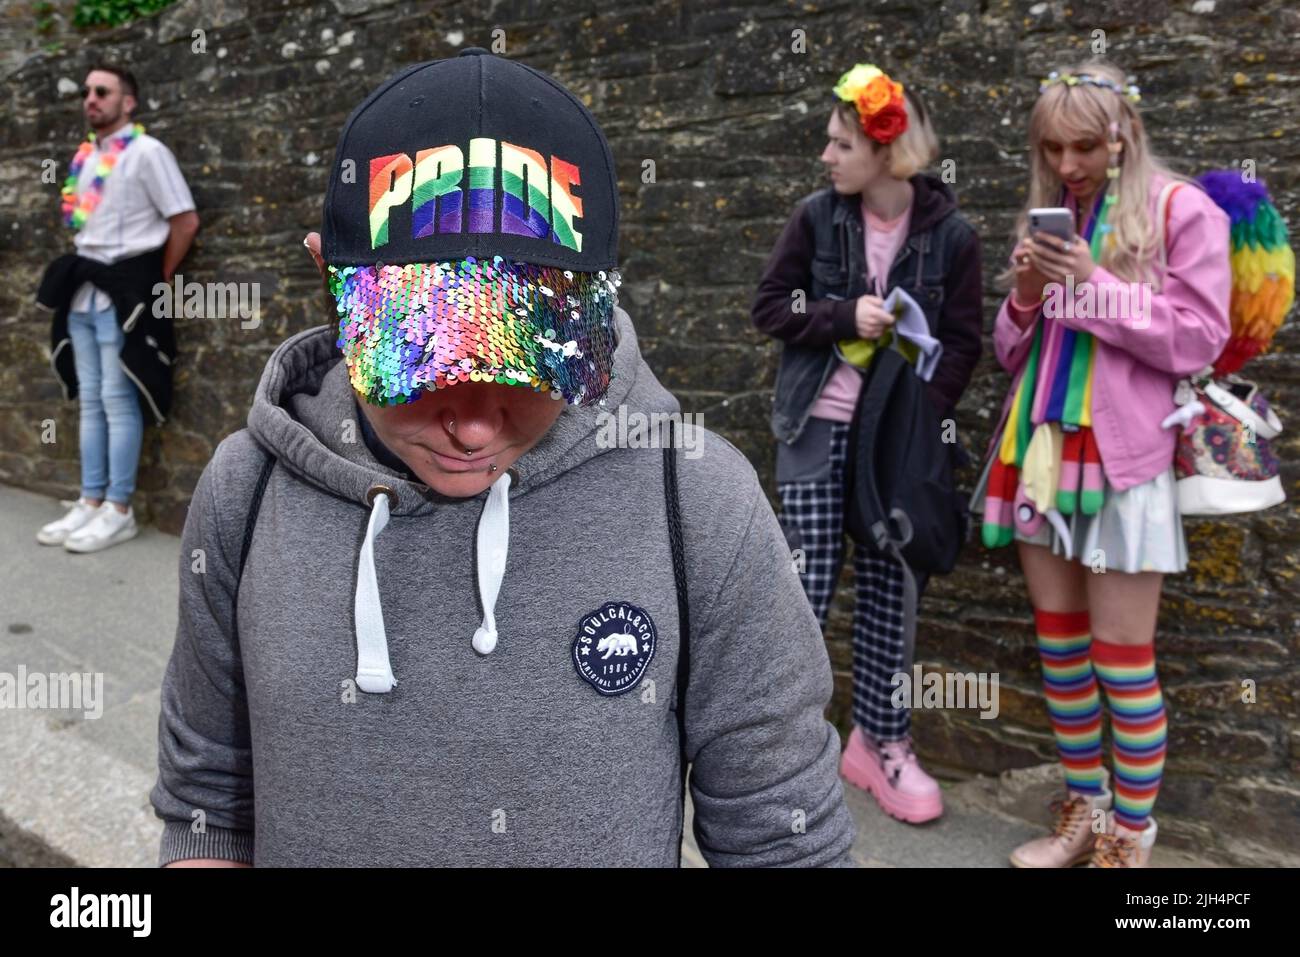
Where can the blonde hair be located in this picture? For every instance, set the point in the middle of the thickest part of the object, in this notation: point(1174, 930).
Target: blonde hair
point(1081, 112)
point(912, 150)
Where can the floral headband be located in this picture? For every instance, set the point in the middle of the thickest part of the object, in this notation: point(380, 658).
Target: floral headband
point(1131, 92)
point(878, 100)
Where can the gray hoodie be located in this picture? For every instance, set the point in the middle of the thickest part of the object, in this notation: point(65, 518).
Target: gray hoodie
point(560, 747)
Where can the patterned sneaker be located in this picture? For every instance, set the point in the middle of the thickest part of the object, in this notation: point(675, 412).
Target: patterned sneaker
point(1072, 839)
point(108, 527)
point(1124, 847)
point(891, 774)
point(57, 532)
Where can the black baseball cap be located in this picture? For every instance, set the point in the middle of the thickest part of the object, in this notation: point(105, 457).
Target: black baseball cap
point(471, 233)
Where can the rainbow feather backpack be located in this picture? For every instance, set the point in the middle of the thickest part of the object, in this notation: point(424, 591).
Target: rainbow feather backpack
point(1224, 462)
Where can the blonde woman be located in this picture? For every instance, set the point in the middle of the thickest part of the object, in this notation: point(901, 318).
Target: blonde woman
point(1096, 332)
point(880, 225)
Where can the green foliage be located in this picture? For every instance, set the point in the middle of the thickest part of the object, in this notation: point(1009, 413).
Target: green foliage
point(94, 13)
point(43, 11)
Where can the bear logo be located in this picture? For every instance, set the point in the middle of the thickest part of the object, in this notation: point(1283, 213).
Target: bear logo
point(617, 645)
point(613, 647)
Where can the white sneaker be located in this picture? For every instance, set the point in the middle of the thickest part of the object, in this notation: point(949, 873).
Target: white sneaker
point(108, 527)
point(57, 532)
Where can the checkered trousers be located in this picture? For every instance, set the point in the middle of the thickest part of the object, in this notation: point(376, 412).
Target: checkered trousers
point(816, 511)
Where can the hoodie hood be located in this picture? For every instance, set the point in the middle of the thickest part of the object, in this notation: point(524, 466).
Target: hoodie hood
point(301, 412)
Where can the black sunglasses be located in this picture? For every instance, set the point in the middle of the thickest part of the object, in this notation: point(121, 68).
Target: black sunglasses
point(99, 91)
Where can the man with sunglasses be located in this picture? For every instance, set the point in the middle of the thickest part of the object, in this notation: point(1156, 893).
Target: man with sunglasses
point(133, 219)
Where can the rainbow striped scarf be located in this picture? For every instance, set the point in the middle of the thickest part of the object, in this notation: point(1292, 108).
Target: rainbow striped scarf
point(1056, 387)
point(1057, 384)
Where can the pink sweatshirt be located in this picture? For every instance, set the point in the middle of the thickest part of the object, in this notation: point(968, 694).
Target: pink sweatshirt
point(1141, 358)
point(884, 238)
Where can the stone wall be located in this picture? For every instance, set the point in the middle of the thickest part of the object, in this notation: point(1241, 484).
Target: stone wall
point(732, 118)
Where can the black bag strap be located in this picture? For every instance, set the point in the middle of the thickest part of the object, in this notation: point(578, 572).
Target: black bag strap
point(250, 524)
point(677, 546)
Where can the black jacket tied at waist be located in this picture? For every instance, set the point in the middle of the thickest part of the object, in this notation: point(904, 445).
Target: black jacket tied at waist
point(150, 347)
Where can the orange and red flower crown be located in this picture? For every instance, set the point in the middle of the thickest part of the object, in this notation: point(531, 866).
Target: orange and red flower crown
point(878, 100)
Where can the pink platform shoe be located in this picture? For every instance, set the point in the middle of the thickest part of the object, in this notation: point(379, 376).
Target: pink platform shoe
point(892, 775)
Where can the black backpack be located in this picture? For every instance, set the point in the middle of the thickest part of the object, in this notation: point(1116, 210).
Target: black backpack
point(900, 496)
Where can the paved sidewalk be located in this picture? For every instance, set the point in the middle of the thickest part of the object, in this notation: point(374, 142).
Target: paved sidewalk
point(81, 786)
point(78, 789)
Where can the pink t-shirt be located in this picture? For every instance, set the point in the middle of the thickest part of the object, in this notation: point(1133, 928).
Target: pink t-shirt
point(884, 238)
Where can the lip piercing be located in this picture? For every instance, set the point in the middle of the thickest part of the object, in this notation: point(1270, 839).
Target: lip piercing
point(492, 467)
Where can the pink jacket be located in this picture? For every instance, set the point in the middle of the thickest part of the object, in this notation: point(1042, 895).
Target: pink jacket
point(1141, 358)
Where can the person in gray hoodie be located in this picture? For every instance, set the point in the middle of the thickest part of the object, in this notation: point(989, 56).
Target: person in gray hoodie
point(430, 616)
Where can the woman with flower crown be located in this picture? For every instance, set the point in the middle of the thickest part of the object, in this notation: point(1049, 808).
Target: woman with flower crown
point(1096, 332)
point(881, 227)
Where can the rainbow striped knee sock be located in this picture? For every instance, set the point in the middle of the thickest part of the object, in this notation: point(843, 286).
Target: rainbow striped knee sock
point(1072, 699)
point(1138, 726)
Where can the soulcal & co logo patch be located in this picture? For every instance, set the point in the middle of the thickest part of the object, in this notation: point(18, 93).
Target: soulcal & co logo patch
point(614, 646)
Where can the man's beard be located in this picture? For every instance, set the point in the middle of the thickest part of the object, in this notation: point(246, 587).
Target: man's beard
point(105, 120)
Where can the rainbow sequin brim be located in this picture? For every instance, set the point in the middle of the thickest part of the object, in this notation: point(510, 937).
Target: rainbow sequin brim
point(404, 329)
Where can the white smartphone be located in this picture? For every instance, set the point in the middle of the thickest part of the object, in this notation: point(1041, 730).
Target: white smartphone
point(1054, 220)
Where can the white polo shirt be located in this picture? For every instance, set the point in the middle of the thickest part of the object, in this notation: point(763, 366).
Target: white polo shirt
point(143, 191)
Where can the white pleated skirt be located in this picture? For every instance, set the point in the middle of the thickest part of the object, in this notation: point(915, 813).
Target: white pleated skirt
point(1136, 530)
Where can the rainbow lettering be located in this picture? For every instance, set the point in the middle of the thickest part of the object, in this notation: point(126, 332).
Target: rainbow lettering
point(537, 198)
point(437, 184)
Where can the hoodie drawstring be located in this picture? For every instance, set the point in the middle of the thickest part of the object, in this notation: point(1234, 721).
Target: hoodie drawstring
point(493, 543)
point(374, 672)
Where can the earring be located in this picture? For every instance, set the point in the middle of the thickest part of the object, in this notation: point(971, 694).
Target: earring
point(451, 426)
point(1115, 146)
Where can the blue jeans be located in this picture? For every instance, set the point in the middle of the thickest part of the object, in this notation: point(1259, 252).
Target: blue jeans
point(112, 424)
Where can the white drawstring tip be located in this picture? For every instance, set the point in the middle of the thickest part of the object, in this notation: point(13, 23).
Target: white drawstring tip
point(376, 682)
point(485, 640)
